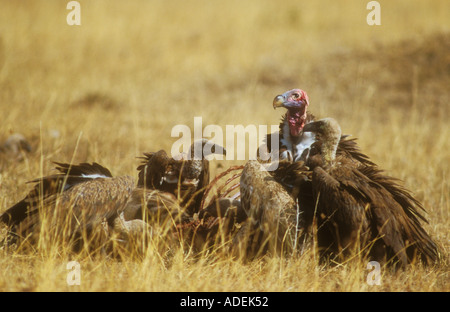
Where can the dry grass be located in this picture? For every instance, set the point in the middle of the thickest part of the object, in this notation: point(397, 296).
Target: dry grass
point(119, 83)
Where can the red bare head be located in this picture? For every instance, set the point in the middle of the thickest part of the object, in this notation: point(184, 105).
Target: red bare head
point(296, 101)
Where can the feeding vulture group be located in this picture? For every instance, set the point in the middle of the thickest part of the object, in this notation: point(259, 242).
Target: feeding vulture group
point(324, 193)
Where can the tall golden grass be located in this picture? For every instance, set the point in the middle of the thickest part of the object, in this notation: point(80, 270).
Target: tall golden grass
point(121, 80)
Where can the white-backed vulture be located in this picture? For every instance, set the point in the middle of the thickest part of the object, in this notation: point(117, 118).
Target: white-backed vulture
point(84, 199)
point(187, 177)
point(71, 205)
point(359, 209)
point(275, 224)
point(220, 215)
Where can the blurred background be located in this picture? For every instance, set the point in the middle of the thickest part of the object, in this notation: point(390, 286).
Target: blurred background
point(114, 86)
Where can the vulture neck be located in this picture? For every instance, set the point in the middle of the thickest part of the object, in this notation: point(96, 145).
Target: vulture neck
point(285, 131)
point(329, 148)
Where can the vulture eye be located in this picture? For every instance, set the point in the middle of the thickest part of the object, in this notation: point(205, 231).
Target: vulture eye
point(295, 95)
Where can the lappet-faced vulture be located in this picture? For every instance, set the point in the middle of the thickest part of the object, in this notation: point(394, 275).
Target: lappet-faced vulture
point(359, 209)
point(294, 143)
point(294, 146)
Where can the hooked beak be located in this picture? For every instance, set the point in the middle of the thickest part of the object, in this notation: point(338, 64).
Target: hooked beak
point(278, 101)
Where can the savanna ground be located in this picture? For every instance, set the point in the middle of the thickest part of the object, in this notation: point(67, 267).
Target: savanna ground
point(120, 81)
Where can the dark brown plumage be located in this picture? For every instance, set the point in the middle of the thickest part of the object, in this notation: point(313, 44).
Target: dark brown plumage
point(168, 192)
point(220, 215)
point(294, 145)
point(275, 224)
point(360, 210)
point(216, 224)
point(85, 199)
point(75, 203)
point(186, 178)
point(152, 170)
point(224, 207)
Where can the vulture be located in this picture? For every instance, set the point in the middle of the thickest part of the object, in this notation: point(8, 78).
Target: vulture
point(294, 143)
point(83, 200)
point(359, 209)
point(172, 191)
point(292, 199)
point(222, 216)
point(292, 140)
point(215, 225)
point(71, 205)
point(274, 225)
point(160, 172)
